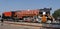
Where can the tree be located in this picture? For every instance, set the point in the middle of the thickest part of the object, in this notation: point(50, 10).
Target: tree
point(56, 13)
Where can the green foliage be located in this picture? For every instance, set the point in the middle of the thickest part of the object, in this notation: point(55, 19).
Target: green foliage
point(56, 13)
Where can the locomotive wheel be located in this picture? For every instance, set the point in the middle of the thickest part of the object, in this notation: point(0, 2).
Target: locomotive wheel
point(39, 21)
point(26, 19)
point(49, 21)
point(33, 20)
point(15, 19)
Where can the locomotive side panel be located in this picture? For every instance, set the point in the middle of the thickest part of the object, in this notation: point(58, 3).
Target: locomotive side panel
point(7, 15)
point(27, 13)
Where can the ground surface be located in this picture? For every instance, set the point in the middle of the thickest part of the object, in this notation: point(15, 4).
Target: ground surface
point(10, 26)
point(6, 25)
point(15, 25)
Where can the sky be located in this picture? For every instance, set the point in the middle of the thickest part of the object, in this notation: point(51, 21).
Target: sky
point(13, 5)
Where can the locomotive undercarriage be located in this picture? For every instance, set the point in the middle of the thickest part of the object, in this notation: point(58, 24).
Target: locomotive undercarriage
point(34, 19)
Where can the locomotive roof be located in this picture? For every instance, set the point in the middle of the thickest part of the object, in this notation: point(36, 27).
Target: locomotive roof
point(45, 9)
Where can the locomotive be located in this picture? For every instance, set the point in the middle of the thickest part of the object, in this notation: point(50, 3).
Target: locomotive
point(37, 15)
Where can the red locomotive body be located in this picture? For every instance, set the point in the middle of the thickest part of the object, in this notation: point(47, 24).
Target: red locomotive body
point(27, 13)
point(7, 14)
